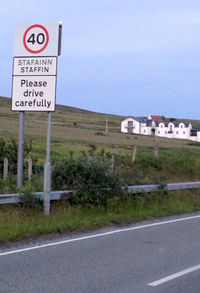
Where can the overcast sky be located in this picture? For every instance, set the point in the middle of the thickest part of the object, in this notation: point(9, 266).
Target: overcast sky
point(126, 57)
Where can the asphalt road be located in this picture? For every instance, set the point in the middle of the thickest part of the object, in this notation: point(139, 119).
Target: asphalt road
point(151, 256)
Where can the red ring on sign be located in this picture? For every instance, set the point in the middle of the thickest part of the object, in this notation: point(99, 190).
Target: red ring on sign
point(47, 38)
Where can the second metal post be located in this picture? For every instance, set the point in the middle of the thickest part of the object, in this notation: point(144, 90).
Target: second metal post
point(47, 170)
point(20, 161)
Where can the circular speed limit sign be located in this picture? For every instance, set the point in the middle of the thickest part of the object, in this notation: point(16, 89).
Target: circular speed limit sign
point(36, 39)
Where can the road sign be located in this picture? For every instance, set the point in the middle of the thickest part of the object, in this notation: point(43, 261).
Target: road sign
point(32, 39)
point(34, 66)
point(34, 93)
point(34, 84)
point(36, 39)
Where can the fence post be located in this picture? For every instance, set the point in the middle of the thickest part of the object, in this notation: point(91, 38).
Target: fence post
point(134, 153)
point(113, 160)
point(156, 148)
point(5, 168)
point(106, 126)
point(30, 169)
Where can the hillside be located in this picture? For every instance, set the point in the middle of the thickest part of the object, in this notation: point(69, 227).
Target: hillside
point(74, 129)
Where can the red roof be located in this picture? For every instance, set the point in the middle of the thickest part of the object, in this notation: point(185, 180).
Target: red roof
point(155, 117)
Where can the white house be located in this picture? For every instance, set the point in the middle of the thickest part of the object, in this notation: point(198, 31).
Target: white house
point(180, 130)
point(148, 127)
point(145, 126)
point(131, 125)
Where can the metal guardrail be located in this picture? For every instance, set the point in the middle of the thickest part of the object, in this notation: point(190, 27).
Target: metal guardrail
point(56, 195)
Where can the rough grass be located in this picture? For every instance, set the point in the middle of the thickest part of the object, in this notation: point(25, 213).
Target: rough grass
point(75, 129)
point(17, 223)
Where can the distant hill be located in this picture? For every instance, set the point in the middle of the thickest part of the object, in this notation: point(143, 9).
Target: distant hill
point(64, 116)
point(73, 129)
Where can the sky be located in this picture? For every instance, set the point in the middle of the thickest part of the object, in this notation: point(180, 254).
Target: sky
point(125, 57)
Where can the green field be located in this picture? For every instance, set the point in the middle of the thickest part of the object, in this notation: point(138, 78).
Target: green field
point(74, 129)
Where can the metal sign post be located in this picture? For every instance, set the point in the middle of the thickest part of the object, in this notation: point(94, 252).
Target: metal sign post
point(47, 170)
point(34, 84)
point(20, 161)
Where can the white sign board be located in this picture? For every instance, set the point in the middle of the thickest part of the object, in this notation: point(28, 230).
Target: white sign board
point(32, 39)
point(34, 84)
point(34, 93)
point(35, 66)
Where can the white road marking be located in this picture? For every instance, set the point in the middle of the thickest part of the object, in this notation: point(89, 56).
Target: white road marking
point(174, 276)
point(97, 235)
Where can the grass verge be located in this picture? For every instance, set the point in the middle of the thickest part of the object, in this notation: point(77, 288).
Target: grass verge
point(17, 223)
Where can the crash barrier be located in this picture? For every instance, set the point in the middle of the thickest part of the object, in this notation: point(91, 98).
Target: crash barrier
point(67, 194)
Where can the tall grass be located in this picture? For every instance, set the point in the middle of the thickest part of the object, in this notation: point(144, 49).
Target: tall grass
point(17, 223)
point(171, 165)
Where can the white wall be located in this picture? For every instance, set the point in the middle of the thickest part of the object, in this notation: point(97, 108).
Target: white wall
point(161, 129)
point(136, 125)
point(183, 132)
point(195, 138)
point(146, 130)
point(179, 132)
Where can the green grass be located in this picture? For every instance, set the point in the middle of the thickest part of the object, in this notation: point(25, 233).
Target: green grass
point(76, 128)
point(17, 223)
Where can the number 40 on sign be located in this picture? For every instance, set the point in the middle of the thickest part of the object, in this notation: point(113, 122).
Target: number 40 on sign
point(37, 39)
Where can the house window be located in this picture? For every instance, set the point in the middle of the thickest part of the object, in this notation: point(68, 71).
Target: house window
point(165, 132)
point(176, 132)
point(181, 126)
point(183, 132)
point(161, 126)
point(144, 130)
point(158, 131)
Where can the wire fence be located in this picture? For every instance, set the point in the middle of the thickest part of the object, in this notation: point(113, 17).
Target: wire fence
point(30, 169)
point(33, 172)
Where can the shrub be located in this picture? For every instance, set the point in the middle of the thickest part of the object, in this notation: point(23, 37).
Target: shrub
point(96, 181)
point(8, 149)
point(92, 178)
point(146, 169)
point(8, 186)
point(147, 162)
point(64, 173)
point(99, 133)
point(28, 199)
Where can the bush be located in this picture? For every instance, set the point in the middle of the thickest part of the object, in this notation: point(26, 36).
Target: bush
point(64, 173)
point(96, 181)
point(146, 169)
point(91, 177)
point(28, 199)
point(99, 133)
point(8, 186)
point(149, 161)
point(8, 149)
